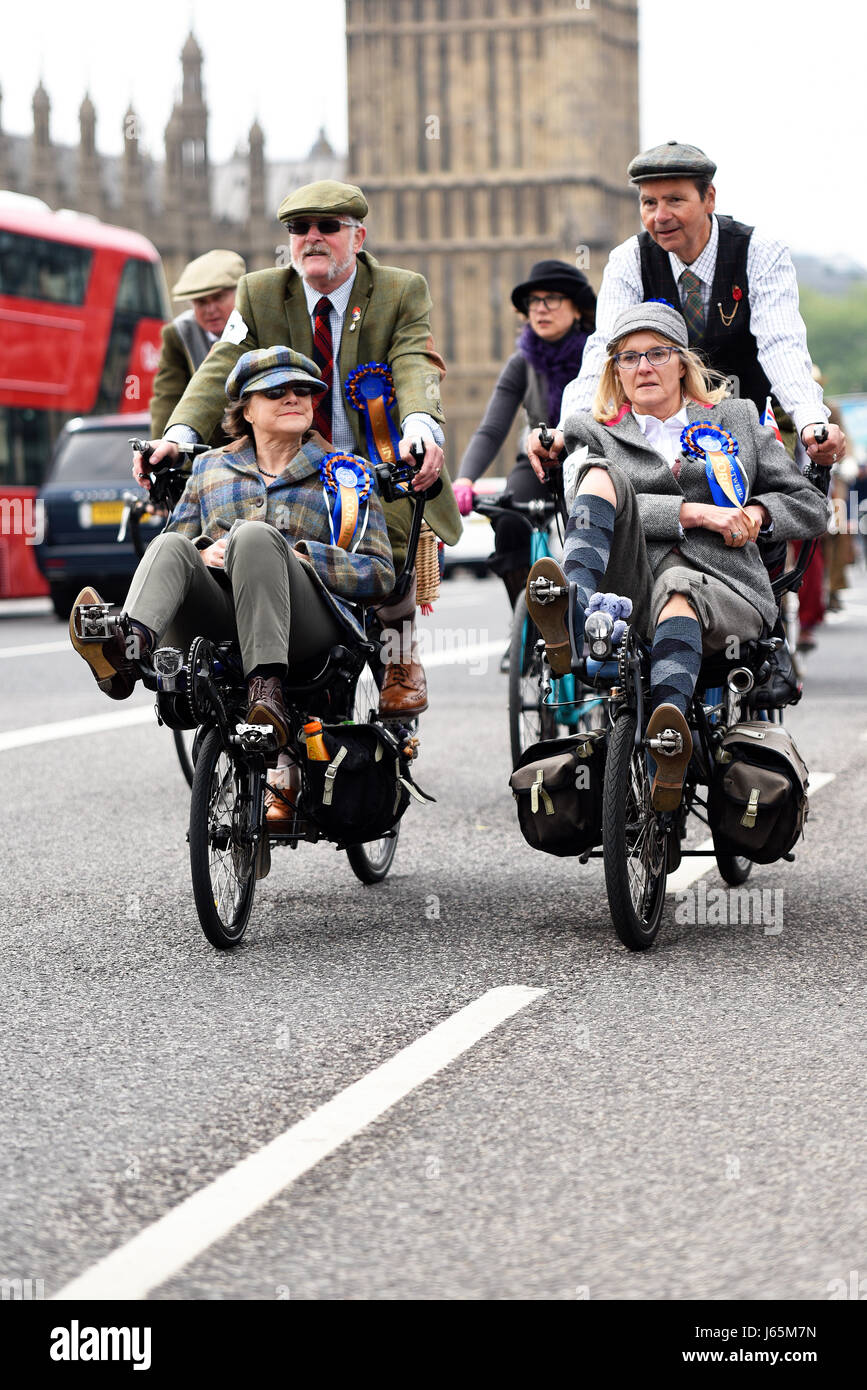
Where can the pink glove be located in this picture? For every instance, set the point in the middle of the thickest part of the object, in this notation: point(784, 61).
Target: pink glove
point(464, 497)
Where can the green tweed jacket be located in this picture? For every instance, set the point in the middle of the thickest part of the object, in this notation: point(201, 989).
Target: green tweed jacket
point(394, 327)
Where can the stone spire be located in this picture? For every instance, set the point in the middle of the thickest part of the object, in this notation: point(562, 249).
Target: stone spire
point(43, 170)
point(89, 198)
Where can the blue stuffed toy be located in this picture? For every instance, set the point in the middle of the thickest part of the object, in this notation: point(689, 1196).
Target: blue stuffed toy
point(618, 610)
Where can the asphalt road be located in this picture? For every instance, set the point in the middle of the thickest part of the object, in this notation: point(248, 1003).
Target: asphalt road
point(686, 1123)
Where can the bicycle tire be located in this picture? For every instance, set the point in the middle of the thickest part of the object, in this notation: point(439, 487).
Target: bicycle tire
point(734, 869)
point(185, 753)
point(530, 720)
point(371, 861)
point(223, 875)
point(636, 898)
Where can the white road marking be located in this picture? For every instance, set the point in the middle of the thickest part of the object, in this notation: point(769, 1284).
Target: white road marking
point(71, 728)
point(692, 869)
point(460, 656)
point(37, 649)
point(159, 1251)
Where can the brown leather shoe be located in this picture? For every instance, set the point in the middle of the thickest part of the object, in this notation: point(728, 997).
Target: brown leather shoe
point(550, 617)
point(280, 800)
point(404, 690)
point(266, 706)
point(667, 789)
point(112, 669)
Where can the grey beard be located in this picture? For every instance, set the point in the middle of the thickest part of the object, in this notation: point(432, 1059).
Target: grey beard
point(335, 268)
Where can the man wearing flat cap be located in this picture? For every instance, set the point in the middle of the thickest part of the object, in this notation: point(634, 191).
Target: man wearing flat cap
point(338, 305)
point(736, 289)
point(209, 283)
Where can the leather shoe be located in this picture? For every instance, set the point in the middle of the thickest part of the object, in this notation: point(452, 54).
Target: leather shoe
point(112, 669)
point(404, 690)
point(265, 695)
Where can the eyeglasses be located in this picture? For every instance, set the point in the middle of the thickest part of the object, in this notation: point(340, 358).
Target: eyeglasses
point(656, 356)
point(550, 301)
point(276, 393)
point(300, 226)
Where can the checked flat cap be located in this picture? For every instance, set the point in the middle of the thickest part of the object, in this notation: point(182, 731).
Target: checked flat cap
point(327, 197)
point(216, 270)
point(671, 161)
point(653, 316)
point(273, 366)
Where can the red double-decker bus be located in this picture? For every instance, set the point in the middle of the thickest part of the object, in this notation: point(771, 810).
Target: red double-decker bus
point(81, 308)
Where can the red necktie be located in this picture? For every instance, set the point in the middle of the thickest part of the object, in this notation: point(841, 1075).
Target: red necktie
point(323, 356)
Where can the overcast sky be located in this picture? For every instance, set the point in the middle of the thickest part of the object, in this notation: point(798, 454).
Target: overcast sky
point(741, 78)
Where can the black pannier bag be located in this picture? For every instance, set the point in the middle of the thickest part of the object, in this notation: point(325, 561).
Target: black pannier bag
point(757, 803)
point(365, 786)
point(558, 789)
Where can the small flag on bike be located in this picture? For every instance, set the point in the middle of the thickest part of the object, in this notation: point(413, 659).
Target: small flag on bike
point(769, 418)
point(370, 390)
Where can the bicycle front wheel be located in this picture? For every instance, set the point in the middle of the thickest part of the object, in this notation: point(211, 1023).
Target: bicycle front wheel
point(530, 719)
point(633, 844)
point(223, 850)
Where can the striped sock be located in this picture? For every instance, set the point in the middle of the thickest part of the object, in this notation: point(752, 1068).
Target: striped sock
point(587, 546)
point(675, 660)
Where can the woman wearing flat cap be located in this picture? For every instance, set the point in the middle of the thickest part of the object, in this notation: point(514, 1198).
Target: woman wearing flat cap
point(647, 522)
point(558, 304)
point(253, 549)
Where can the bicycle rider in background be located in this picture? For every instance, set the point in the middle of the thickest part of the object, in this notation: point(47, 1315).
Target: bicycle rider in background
point(558, 306)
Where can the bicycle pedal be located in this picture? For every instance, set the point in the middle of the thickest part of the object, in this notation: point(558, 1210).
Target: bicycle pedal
point(256, 738)
point(669, 742)
point(544, 590)
point(94, 622)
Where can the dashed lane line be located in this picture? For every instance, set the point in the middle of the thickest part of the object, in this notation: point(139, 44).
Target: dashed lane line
point(158, 1252)
point(72, 728)
point(37, 649)
point(692, 869)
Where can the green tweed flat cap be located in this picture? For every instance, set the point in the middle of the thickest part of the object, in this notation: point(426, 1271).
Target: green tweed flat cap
point(216, 270)
point(273, 366)
point(671, 161)
point(327, 197)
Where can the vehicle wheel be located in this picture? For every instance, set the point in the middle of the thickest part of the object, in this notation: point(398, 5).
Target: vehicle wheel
point(62, 598)
point(223, 852)
point(371, 861)
point(734, 868)
point(633, 844)
point(185, 746)
point(529, 719)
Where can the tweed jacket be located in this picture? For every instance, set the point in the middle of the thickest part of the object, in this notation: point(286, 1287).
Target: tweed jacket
point(797, 509)
point(394, 327)
point(225, 487)
point(175, 371)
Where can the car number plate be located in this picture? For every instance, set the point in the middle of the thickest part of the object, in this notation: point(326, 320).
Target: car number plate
point(106, 513)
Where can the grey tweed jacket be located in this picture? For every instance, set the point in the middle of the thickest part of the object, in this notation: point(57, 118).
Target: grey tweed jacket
point(797, 509)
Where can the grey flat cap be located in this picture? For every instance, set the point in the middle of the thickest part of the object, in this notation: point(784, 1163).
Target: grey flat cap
point(654, 316)
point(671, 161)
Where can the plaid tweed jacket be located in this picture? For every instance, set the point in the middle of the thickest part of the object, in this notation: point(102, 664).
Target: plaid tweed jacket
point(797, 509)
point(394, 327)
point(225, 487)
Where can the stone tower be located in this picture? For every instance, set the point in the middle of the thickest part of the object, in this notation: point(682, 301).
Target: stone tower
point(486, 138)
point(89, 196)
point(187, 174)
point(43, 169)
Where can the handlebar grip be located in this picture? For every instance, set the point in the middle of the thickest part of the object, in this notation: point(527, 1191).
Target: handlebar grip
point(143, 447)
point(820, 434)
point(416, 450)
point(546, 438)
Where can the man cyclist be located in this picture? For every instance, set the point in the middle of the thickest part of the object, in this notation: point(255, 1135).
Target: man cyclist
point(338, 305)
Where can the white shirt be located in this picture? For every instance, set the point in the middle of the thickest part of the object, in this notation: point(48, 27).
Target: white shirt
point(664, 435)
point(774, 321)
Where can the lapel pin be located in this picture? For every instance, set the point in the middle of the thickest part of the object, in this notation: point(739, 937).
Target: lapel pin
point(355, 316)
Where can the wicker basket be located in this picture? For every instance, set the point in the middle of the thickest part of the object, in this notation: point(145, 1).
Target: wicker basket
point(427, 569)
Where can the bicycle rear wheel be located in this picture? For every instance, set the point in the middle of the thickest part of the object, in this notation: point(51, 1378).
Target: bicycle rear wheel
point(371, 861)
point(530, 720)
point(225, 800)
point(633, 845)
point(185, 740)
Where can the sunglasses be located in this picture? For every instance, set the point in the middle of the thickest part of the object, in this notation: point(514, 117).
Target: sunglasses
point(300, 226)
point(276, 393)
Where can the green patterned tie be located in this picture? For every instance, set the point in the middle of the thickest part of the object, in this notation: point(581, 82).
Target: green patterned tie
point(692, 307)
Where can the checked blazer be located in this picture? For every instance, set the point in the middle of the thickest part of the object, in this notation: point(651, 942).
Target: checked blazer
point(797, 509)
point(225, 487)
point(394, 327)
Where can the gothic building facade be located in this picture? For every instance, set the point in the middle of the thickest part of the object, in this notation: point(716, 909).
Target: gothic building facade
point(485, 138)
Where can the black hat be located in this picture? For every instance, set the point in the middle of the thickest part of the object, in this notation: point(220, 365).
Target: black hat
point(559, 276)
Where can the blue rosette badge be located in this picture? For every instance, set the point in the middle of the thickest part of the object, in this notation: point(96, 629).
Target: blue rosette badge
point(369, 389)
point(719, 450)
point(346, 483)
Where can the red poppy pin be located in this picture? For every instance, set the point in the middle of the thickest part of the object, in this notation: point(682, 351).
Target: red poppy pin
point(737, 296)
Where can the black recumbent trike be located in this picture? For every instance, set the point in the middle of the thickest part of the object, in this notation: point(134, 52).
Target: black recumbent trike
point(738, 702)
point(352, 795)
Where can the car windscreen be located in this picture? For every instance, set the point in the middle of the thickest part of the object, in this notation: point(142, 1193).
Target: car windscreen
point(91, 456)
